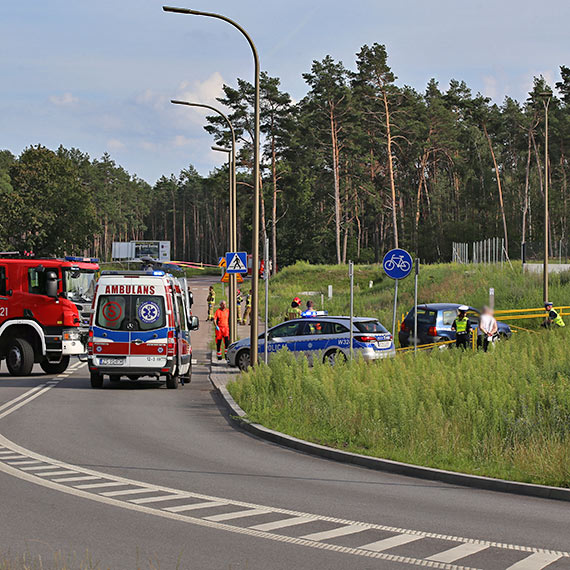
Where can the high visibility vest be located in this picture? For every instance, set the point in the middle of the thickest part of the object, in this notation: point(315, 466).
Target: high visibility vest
point(558, 320)
point(292, 313)
point(461, 325)
point(248, 301)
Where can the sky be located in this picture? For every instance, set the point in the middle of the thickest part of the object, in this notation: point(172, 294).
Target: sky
point(99, 75)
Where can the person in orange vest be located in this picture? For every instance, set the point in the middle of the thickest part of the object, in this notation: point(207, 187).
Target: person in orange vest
point(222, 323)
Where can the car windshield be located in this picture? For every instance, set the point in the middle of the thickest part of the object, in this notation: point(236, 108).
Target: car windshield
point(370, 327)
point(79, 285)
point(131, 312)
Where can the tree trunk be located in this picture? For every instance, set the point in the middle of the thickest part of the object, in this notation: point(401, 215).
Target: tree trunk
point(391, 169)
point(336, 176)
point(500, 189)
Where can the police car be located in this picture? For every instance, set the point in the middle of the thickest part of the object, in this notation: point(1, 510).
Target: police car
point(324, 337)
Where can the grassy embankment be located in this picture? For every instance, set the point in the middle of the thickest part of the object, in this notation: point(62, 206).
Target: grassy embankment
point(501, 414)
point(438, 283)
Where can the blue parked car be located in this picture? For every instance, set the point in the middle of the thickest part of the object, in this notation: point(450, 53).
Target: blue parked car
point(434, 324)
point(323, 337)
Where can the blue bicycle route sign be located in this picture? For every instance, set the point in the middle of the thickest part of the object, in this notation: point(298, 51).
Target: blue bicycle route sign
point(397, 263)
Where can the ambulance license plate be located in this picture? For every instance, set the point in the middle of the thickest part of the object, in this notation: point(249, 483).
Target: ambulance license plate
point(115, 361)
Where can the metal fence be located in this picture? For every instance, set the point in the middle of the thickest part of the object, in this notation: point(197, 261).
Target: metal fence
point(487, 251)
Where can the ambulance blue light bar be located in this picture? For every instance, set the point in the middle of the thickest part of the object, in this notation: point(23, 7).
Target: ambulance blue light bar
point(158, 272)
point(84, 259)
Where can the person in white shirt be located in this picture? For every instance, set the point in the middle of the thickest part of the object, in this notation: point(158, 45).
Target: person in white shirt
point(488, 327)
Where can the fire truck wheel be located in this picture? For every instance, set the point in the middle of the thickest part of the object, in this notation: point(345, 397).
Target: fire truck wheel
point(55, 367)
point(20, 357)
point(172, 381)
point(96, 380)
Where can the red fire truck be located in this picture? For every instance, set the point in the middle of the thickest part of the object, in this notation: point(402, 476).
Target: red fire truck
point(45, 306)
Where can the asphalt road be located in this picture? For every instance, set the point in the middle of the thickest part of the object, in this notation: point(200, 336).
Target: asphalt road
point(144, 477)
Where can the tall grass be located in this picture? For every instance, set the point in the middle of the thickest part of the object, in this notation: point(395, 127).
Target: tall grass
point(504, 414)
point(450, 282)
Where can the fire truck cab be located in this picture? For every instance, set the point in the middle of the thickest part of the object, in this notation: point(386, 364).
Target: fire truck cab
point(140, 327)
point(44, 311)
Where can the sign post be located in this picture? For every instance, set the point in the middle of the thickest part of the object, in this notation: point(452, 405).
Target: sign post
point(397, 265)
point(416, 305)
point(351, 276)
point(266, 279)
point(236, 265)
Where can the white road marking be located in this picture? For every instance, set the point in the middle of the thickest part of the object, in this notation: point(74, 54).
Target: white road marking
point(33, 396)
point(284, 523)
point(336, 532)
point(391, 542)
point(196, 506)
point(78, 478)
point(458, 552)
point(145, 500)
point(13, 456)
point(209, 501)
point(238, 515)
point(38, 467)
point(59, 472)
point(96, 485)
point(21, 397)
point(27, 462)
point(536, 561)
point(127, 492)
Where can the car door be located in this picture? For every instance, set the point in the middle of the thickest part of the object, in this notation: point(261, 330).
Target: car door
point(149, 332)
point(3, 294)
point(314, 338)
point(283, 336)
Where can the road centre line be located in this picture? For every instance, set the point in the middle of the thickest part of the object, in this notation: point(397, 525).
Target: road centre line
point(33, 394)
point(534, 556)
point(21, 397)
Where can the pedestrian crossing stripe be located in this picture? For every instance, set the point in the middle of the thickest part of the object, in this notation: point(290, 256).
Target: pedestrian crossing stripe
point(236, 262)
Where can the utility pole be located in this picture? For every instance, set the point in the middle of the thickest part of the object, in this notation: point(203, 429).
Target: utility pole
point(547, 96)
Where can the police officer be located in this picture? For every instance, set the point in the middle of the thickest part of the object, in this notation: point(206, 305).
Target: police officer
point(211, 300)
point(553, 317)
point(462, 327)
point(294, 312)
point(247, 310)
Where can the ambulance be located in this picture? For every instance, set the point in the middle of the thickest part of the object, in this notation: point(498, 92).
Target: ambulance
point(140, 328)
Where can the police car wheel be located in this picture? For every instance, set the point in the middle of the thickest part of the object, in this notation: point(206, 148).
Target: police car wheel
point(242, 360)
point(20, 357)
point(171, 381)
point(334, 356)
point(96, 380)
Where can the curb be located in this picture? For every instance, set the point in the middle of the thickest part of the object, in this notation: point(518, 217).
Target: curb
point(239, 417)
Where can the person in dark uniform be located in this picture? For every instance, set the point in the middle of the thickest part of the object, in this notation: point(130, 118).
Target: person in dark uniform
point(462, 327)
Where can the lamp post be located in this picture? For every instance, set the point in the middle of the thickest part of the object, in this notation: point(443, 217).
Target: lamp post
point(232, 278)
point(233, 207)
point(546, 97)
point(255, 224)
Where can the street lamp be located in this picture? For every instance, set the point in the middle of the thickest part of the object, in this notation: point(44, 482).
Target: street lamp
point(255, 228)
point(233, 208)
point(546, 97)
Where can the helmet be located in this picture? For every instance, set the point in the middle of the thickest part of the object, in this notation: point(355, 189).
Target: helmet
point(297, 300)
point(463, 308)
point(547, 304)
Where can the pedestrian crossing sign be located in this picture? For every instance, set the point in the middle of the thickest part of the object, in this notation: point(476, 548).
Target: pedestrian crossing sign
point(226, 278)
point(236, 262)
